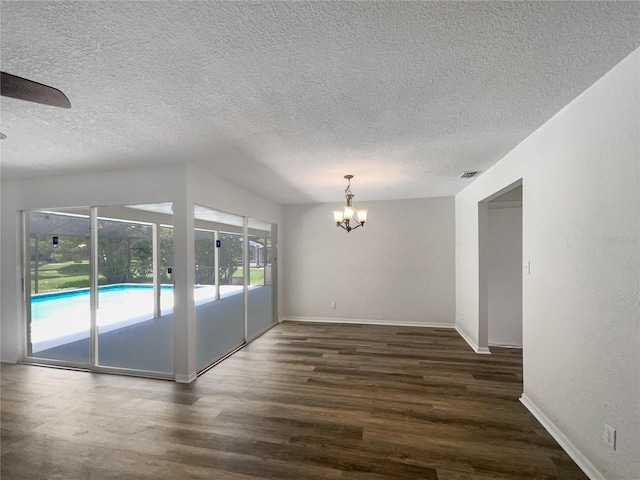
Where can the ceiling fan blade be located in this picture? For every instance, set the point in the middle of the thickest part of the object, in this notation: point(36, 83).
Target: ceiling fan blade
point(30, 91)
point(2, 136)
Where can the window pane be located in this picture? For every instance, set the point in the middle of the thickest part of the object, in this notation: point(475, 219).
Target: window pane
point(218, 285)
point(260, 295)
point(60, 316)
point(130, 334)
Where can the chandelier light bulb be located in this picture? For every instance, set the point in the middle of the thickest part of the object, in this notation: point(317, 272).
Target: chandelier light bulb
point(348, 213)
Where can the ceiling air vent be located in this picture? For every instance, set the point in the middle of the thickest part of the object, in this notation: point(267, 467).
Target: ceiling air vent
point(469, 174)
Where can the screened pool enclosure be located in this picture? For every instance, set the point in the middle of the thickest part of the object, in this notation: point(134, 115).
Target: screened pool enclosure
point(100, 286)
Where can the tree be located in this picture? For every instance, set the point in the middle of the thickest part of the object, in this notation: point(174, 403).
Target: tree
point(114, 259)
point(142, 260)
point(166, 253)
point(205, 259)
point(229, 256)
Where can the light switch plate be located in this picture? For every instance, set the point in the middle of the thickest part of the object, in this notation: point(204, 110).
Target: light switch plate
point(609, 436)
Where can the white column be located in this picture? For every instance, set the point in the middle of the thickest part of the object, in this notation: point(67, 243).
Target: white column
point(184, 320)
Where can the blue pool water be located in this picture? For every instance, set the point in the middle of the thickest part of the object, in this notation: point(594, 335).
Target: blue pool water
point(45, 305)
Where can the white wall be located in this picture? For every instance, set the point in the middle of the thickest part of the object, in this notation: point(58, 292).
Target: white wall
point(581, 232)
point(211, 191)
point(505, 274)
point(183, 185)
point(398, 268)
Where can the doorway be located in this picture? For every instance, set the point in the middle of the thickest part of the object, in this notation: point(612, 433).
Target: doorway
point(504, 282)
point(500, 268)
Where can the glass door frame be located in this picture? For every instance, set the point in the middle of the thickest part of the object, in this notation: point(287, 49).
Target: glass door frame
point(273, 236)
point(25, 255)
point(219, 231)
point(25, 258)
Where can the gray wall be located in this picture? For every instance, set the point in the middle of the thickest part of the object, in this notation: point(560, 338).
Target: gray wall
point(505, 274)
point(398, 268)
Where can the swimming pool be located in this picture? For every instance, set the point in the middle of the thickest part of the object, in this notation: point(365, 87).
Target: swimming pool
point(62, 317)
point(74, 302)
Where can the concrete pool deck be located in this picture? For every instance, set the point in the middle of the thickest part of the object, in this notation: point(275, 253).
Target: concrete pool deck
point(72, 323)
point(148, 345)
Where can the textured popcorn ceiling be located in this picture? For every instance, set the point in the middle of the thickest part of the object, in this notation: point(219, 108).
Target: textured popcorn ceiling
point(285, 98)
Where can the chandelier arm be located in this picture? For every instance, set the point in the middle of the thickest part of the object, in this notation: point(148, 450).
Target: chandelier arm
point(348, 227)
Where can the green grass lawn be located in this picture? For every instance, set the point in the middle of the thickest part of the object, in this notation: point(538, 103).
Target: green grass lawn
point(256, 275)
point(64, 275)
point(59, 276)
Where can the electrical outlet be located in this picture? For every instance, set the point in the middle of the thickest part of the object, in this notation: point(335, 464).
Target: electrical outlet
point(610, 436)
point(333, 304)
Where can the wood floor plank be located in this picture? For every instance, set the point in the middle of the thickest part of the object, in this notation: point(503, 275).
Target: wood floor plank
point(302, 402)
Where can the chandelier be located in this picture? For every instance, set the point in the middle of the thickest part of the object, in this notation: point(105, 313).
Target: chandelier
point(345, 218)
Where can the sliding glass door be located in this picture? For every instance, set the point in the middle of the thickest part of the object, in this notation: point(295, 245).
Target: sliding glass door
point(132, 333)
point(260, 312)
point(219, 286)
point(99, 289)
point(131, 286)
point(57, 282)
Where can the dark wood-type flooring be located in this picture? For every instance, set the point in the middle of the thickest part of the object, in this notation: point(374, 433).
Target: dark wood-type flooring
point(303, 402)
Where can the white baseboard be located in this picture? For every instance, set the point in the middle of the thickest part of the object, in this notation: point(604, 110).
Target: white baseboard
point(504, 345)
point(583, 462)
point(364, 321)
point(472, 344)
point(182, 378)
